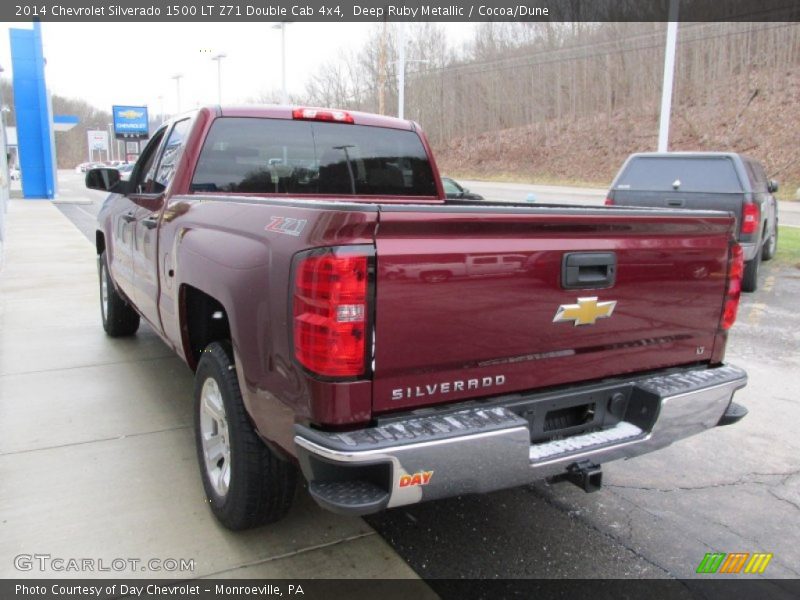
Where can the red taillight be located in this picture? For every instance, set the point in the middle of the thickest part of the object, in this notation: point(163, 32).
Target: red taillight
point(330, 313)
point(317, 114)
point(609, 201)
point(749, 218)
point(735, 273)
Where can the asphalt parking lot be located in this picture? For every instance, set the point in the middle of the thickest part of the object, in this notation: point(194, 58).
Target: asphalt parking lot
point(84, 478)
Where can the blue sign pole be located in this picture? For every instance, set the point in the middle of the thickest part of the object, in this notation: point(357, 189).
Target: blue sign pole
point(33, 113)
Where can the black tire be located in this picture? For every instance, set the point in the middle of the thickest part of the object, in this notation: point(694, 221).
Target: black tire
point(750, 278)
point(119, 318)
point(770, 245)
point(261, 486)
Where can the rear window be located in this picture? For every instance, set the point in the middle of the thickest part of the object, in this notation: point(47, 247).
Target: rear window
point(690, 174)
point(278, 156)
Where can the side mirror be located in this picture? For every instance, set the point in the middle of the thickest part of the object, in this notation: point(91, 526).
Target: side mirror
point(102, 179)
point(772, 186)
point(151, 202)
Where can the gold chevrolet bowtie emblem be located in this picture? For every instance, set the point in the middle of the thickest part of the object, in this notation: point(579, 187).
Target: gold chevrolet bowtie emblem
point(585, 312)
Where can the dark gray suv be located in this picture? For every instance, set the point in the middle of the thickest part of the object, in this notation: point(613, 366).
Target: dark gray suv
point(707, 180)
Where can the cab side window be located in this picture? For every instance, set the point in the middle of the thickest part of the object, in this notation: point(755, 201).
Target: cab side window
point(756, 175)
point(144, 171)
point(170, 156)
point(761, 176)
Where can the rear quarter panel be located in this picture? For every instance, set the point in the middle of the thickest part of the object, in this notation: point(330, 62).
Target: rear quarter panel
point(221, 246)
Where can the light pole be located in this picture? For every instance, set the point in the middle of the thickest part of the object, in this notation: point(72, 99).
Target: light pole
point(110, 149)
point(177, 77)
point(218, 58)
point(282, 26)
point(669, 74)
point(401, 70)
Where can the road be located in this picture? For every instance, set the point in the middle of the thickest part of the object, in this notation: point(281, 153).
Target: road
point(730, 489)
point(522, 192)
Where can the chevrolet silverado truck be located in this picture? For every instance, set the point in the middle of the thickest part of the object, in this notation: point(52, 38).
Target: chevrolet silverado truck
point(709, 181)
point(263, 245)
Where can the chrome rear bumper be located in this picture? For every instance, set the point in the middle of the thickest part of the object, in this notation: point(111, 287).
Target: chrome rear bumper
point(481, 449)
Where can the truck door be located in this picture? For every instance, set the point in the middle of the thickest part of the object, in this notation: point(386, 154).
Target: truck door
point(124, 221)
point(151, 202)
point(119, 259)
point(139, 197)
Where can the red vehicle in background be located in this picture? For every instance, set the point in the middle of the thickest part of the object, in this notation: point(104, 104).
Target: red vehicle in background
point(281, 253)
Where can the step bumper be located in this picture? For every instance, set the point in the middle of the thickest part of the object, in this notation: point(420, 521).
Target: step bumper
point(486, 448)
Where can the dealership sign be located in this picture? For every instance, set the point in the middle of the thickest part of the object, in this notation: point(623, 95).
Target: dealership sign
point(130, 122)
point(98, 140)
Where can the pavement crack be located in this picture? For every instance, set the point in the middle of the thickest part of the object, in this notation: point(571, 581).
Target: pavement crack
point(794, 505)
point(297, 552)
point(617, 540)
point(88, 366)
point(106, 439)
point(743, 480)
point(725, 526)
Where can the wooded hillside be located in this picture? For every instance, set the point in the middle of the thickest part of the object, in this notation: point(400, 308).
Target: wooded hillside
point(571, 100)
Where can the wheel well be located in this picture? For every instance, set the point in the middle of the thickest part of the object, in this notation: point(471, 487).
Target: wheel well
point(100, 242)
point(203, 320)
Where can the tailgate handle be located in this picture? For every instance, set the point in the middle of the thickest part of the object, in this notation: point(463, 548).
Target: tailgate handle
point(587, 270)
point(675, 203)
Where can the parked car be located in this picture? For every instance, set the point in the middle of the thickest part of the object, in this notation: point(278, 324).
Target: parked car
point(468, 266)
point(453, 189)
point(707, 181)
point(125, 170)
point(313, 353)
point(83, 167)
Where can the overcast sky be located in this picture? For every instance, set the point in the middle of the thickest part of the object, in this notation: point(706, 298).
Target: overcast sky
point(122, 63)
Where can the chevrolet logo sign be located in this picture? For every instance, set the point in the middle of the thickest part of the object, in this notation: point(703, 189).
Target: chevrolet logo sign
point(585, 312)
point(130, 114)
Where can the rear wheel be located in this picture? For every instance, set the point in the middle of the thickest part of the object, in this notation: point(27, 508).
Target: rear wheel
point(119, 318)
point(245, 483)
point(750, 278)
point(771, 245)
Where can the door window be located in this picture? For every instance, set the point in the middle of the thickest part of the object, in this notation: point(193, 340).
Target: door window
point(144, 171)
point(170, 156)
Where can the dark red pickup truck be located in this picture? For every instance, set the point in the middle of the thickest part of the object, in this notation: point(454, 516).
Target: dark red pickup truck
point(344, 317)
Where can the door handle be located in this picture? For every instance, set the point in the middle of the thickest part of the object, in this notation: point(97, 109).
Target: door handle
point(588, 270)
point(150, 223)
point(128, 218)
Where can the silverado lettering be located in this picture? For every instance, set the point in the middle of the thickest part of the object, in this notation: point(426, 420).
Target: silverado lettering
point(447, 387)
point(340, 314)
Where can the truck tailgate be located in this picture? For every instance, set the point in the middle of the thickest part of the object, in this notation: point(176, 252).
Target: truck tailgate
point(466, 298)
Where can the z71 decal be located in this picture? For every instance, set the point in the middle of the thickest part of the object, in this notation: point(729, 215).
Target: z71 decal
point(286, 225)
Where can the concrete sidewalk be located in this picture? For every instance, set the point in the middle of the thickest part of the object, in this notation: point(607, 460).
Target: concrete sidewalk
point(97, 457)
